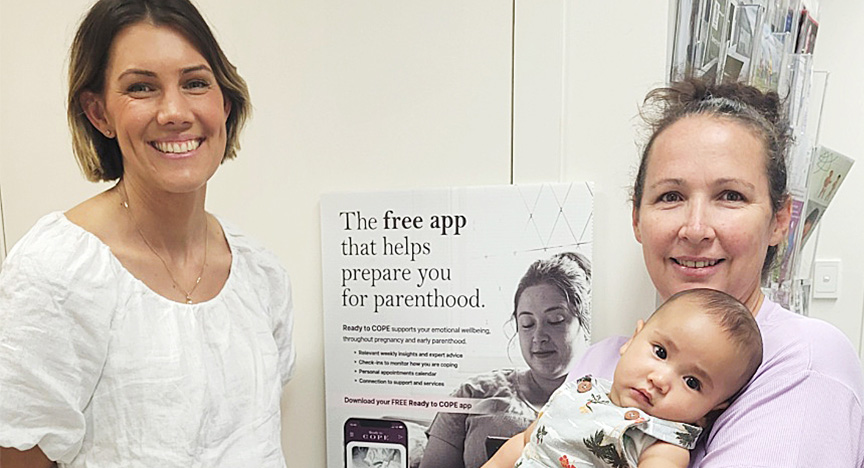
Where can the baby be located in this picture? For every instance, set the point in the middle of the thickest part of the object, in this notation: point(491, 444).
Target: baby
point(676, 373)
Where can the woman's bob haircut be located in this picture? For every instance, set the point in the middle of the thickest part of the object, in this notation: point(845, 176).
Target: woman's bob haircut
point(98, 156)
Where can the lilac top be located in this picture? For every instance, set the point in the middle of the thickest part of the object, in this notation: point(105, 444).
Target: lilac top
point(802, 408)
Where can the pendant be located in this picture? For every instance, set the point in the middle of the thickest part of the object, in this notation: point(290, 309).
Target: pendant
point(188, 300)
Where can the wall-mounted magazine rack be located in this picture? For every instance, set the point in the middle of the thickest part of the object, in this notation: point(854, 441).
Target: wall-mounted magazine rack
point(755, 41)
point(745, 27)
point(770, 59)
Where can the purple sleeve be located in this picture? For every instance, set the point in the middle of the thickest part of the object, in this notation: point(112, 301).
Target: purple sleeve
point(599, 359)
point(803, 407)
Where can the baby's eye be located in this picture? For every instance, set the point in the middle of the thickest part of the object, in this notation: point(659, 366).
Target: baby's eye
point(660, 351)
point(693, 383)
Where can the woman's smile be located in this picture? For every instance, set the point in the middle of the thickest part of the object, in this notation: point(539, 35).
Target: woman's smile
point(695, 268)
point(701, 263)
point(177, 148)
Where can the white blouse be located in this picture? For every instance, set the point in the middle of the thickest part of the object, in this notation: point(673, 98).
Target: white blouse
point(100, 371)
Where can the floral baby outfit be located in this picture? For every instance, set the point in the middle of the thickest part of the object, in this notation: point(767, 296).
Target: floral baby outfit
point(581, 427)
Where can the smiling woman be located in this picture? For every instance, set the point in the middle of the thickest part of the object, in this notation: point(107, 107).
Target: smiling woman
point(150, 333)
point(709, 207)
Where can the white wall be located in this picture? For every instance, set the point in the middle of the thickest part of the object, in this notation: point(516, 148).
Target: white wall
point(355, 96)
point(385, 94)
point(840, 50)
point(579, 79)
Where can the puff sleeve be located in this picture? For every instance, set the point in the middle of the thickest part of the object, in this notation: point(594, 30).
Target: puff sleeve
point(53, 344)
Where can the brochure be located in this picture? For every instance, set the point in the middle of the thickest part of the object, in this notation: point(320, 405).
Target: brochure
point(827, 173)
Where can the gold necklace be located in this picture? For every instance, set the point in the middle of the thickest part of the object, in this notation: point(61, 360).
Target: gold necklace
point(124, 202)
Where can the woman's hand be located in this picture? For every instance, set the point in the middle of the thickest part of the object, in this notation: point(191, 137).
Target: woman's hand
point(32, 458)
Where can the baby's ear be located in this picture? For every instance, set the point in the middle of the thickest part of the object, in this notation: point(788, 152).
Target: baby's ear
point(721, 406)
point(712, 415)
point(623, 349)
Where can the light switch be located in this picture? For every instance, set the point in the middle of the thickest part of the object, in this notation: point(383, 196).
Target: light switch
point(826, 279)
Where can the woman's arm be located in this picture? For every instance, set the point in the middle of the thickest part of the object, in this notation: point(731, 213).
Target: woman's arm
point(507, 455)
point(50, 314)
point(803, 408)
point(664, 455)
point(33, 458)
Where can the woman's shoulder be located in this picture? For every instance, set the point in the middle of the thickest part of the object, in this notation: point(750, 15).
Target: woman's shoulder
point(795, 343)
point(50, 226)
point(57, 247)
point(599, 360)
point(60, 270)
point(245, 245)
point(606, 348)
point(251, 256)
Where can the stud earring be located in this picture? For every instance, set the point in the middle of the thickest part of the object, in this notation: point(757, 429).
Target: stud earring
point(108, 133)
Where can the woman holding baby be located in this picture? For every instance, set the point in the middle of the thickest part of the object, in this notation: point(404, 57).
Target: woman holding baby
point(710, 206)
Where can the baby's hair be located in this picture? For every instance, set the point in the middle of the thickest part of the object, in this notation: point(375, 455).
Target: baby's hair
point(734, 318)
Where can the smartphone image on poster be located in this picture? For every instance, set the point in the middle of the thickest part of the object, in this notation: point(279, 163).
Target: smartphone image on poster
point(375, 443)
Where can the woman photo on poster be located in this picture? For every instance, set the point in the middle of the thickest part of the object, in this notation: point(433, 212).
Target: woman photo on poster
point(552, 315)
point(138, 329)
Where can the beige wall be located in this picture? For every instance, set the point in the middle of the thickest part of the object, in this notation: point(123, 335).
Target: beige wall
point(840, 51)
point(385, 94)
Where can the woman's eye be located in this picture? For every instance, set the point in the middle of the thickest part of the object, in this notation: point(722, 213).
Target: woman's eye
point(693, 383)
point(660, 351)
point(526, 323)
point(556, 319)
point(139, 88)
point(670, 197)
point(197, 84)
point(733, 196)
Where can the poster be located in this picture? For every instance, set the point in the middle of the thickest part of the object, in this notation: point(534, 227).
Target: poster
point(419, 294)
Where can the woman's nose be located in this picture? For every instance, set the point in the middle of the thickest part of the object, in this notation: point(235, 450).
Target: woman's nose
point(540, 335)
point(173, 108)
point(697, 226)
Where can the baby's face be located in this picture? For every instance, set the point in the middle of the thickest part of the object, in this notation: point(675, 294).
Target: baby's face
point(678, 366)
